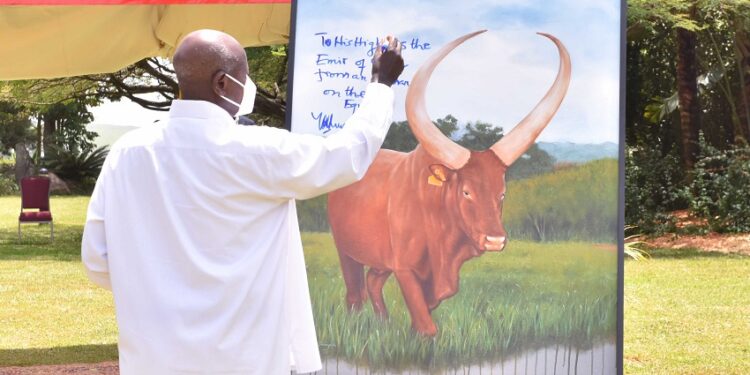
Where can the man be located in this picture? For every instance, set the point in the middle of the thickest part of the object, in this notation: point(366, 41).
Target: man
point(193, 225)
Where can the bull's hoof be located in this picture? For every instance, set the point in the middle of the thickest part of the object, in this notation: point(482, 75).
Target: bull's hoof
point(430, 331)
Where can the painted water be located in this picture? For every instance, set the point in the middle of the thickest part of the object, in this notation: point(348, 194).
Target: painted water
point(552, 360)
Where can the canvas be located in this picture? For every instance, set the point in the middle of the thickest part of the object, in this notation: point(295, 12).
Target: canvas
point(484, 236)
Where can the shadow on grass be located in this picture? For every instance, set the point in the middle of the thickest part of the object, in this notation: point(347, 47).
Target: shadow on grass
point(688, 253)
point(36, 244)
point(58, 355)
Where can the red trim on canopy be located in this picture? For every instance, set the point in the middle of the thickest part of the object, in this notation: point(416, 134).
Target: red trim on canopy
point(135, 2)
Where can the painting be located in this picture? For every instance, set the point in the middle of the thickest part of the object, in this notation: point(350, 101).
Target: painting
point(484, 237)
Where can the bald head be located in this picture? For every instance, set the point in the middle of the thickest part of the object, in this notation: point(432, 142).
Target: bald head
point(202, 61)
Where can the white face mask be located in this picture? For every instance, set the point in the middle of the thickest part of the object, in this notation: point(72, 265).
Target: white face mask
point(248, 99)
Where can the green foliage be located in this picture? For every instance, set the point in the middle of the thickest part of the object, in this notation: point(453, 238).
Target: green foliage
point(79, 168)
point(672, 12)
point(633, 247)
point(578, 203)
point(719, 188)
point(8, 185)
point(15, 126)
point(529, 296)
point(67, 127)
point(268, 68)
point(652, 189)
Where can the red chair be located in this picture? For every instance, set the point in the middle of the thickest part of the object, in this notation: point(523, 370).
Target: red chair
point(35, 195)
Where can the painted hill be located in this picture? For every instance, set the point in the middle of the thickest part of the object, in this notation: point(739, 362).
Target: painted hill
point(568, 152)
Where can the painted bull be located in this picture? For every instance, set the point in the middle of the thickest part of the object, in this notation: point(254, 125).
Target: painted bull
point(421, 215)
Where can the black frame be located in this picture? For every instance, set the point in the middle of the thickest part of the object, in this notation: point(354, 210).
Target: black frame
point(290, 67)
point(620, 313)
point(621, 204)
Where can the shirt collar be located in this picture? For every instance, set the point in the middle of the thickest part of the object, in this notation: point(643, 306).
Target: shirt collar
point(199, 109)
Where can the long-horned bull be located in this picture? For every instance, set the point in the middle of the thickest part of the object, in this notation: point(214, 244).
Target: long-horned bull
point(421, 215)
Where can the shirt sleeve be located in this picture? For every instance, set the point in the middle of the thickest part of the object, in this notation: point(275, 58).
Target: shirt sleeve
point(94, 243)
point(302, 166)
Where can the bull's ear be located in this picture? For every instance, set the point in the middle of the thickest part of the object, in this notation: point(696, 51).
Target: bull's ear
point(440, 174)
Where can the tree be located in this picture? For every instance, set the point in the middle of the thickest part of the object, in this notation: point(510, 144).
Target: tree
point(476, 136)
point(268, 67)
point(65, 127)
point(687, 90)
point(687, 67)
point(534, 162)
point(400, 137)
point(480, 136)
point(15, 126)
point(701, 41)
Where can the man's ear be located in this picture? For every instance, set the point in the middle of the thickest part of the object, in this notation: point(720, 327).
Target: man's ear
point(440, 174)
point(219, 83)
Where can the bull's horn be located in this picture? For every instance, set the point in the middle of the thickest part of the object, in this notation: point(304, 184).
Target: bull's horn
point(512, 146)
point(429, 136)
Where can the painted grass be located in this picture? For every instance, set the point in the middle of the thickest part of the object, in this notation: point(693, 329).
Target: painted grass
point(530, 296)
point(687, 312)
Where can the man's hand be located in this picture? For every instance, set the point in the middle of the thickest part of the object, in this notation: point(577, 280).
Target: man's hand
point(388, 65)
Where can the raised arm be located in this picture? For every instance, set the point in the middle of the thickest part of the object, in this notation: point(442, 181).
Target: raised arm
point(304, 166)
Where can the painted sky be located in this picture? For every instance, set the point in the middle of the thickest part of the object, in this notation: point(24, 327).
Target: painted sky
point(496, 77)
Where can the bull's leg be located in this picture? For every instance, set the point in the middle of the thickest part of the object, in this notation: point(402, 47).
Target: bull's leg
point(375, 280)
point(421, 321)
point(354, 278)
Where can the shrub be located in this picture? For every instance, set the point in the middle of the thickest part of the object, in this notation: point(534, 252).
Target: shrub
point(8, 185)
point(578, 203)
point(652, 189)
point(78, 169)
point(719, 188)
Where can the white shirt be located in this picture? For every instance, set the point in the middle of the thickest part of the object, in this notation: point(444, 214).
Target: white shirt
point(193, 227)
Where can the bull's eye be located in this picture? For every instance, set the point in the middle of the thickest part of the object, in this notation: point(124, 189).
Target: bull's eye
point(466, 194)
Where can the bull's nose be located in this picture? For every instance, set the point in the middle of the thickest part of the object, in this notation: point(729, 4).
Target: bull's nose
point(495, 243)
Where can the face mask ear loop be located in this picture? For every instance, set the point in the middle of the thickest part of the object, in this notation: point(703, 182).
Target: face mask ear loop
point(246, 96)
point(235, 80)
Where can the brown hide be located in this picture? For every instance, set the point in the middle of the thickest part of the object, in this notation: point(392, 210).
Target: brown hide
point(395, 221)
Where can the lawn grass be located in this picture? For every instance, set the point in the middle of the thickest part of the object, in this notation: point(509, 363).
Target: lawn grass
point(528, 297)
point(50, 313)
point(687, 312)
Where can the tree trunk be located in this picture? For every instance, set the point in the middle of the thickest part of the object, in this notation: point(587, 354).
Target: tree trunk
point(24, 164)
point(742, 43)
point(687, 91)
point(48, 130)
point(38, 156)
